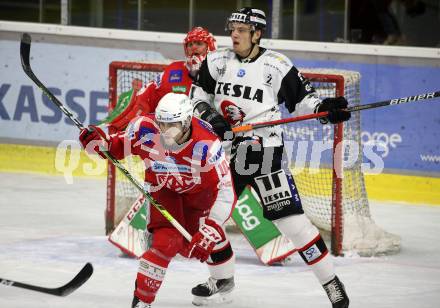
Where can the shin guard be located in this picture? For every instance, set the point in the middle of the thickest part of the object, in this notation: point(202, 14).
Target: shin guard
point(313, 251)
point(154, 262)
point(152, 269)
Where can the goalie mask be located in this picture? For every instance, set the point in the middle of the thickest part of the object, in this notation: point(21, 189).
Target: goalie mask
point(195, 54)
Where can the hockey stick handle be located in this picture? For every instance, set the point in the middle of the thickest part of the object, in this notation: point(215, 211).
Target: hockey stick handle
point(396, 101)
point(248, 127)
point(25, 48)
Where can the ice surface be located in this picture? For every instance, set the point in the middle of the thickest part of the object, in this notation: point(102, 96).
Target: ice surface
point(50, 229)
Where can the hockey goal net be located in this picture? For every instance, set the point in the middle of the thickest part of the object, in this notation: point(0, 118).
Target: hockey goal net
point(325, 160)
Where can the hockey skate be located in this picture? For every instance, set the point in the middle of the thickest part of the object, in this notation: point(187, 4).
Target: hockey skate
point(336, 293)
point(139, 304)
point(213, 292)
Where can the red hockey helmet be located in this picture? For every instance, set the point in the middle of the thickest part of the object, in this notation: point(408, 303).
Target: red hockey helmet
point(198, 34)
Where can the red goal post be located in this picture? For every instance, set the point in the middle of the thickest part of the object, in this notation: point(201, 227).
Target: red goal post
point(337, 205)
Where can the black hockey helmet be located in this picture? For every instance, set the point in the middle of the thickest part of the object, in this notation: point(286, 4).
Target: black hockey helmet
point(250, 16)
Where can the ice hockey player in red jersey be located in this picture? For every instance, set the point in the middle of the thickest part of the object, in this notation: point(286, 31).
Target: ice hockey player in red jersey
point(177, 78)
point(246, 84)
point(186, 171)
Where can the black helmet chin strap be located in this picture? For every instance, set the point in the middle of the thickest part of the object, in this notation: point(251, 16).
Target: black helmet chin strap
point(252, 45)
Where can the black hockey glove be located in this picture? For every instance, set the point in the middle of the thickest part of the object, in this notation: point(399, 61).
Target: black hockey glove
point(335, 107)
point(221, 127)
point(219, 124)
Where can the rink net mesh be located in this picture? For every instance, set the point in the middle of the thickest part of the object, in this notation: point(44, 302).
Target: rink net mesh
point(309, 151)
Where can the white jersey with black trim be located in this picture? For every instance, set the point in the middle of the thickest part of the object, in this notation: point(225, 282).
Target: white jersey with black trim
point(250, 91)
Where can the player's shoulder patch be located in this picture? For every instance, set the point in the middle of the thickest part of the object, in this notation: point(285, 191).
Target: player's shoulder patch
point(278, 60)
point(219, 56)
point(219, 52)
point(175, 76)
point(217, 62)
point(174, 72)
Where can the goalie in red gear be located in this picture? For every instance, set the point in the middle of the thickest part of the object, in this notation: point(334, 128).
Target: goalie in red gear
point(186, 171)
point(177, 78)
point(197, 43)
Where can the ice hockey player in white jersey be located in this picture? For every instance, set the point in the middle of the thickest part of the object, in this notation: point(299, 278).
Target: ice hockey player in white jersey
point(246, 84)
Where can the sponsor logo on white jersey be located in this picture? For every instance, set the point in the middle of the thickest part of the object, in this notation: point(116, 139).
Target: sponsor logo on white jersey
point(238, 90)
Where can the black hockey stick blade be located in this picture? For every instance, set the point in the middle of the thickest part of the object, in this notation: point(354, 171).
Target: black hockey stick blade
point(25, 52)
point(83, 275)
point(25, 49)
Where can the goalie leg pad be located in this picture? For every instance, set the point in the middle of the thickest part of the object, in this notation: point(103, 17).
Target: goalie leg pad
point(278, 195)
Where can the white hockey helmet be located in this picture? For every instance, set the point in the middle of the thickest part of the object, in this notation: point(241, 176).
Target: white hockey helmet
point(175, 107)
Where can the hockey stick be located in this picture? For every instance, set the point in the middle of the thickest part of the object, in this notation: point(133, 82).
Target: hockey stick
point(25, 49)
point(396, 101)
point(80, 278)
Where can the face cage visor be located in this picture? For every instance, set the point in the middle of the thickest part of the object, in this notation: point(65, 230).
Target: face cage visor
point(229, 27)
